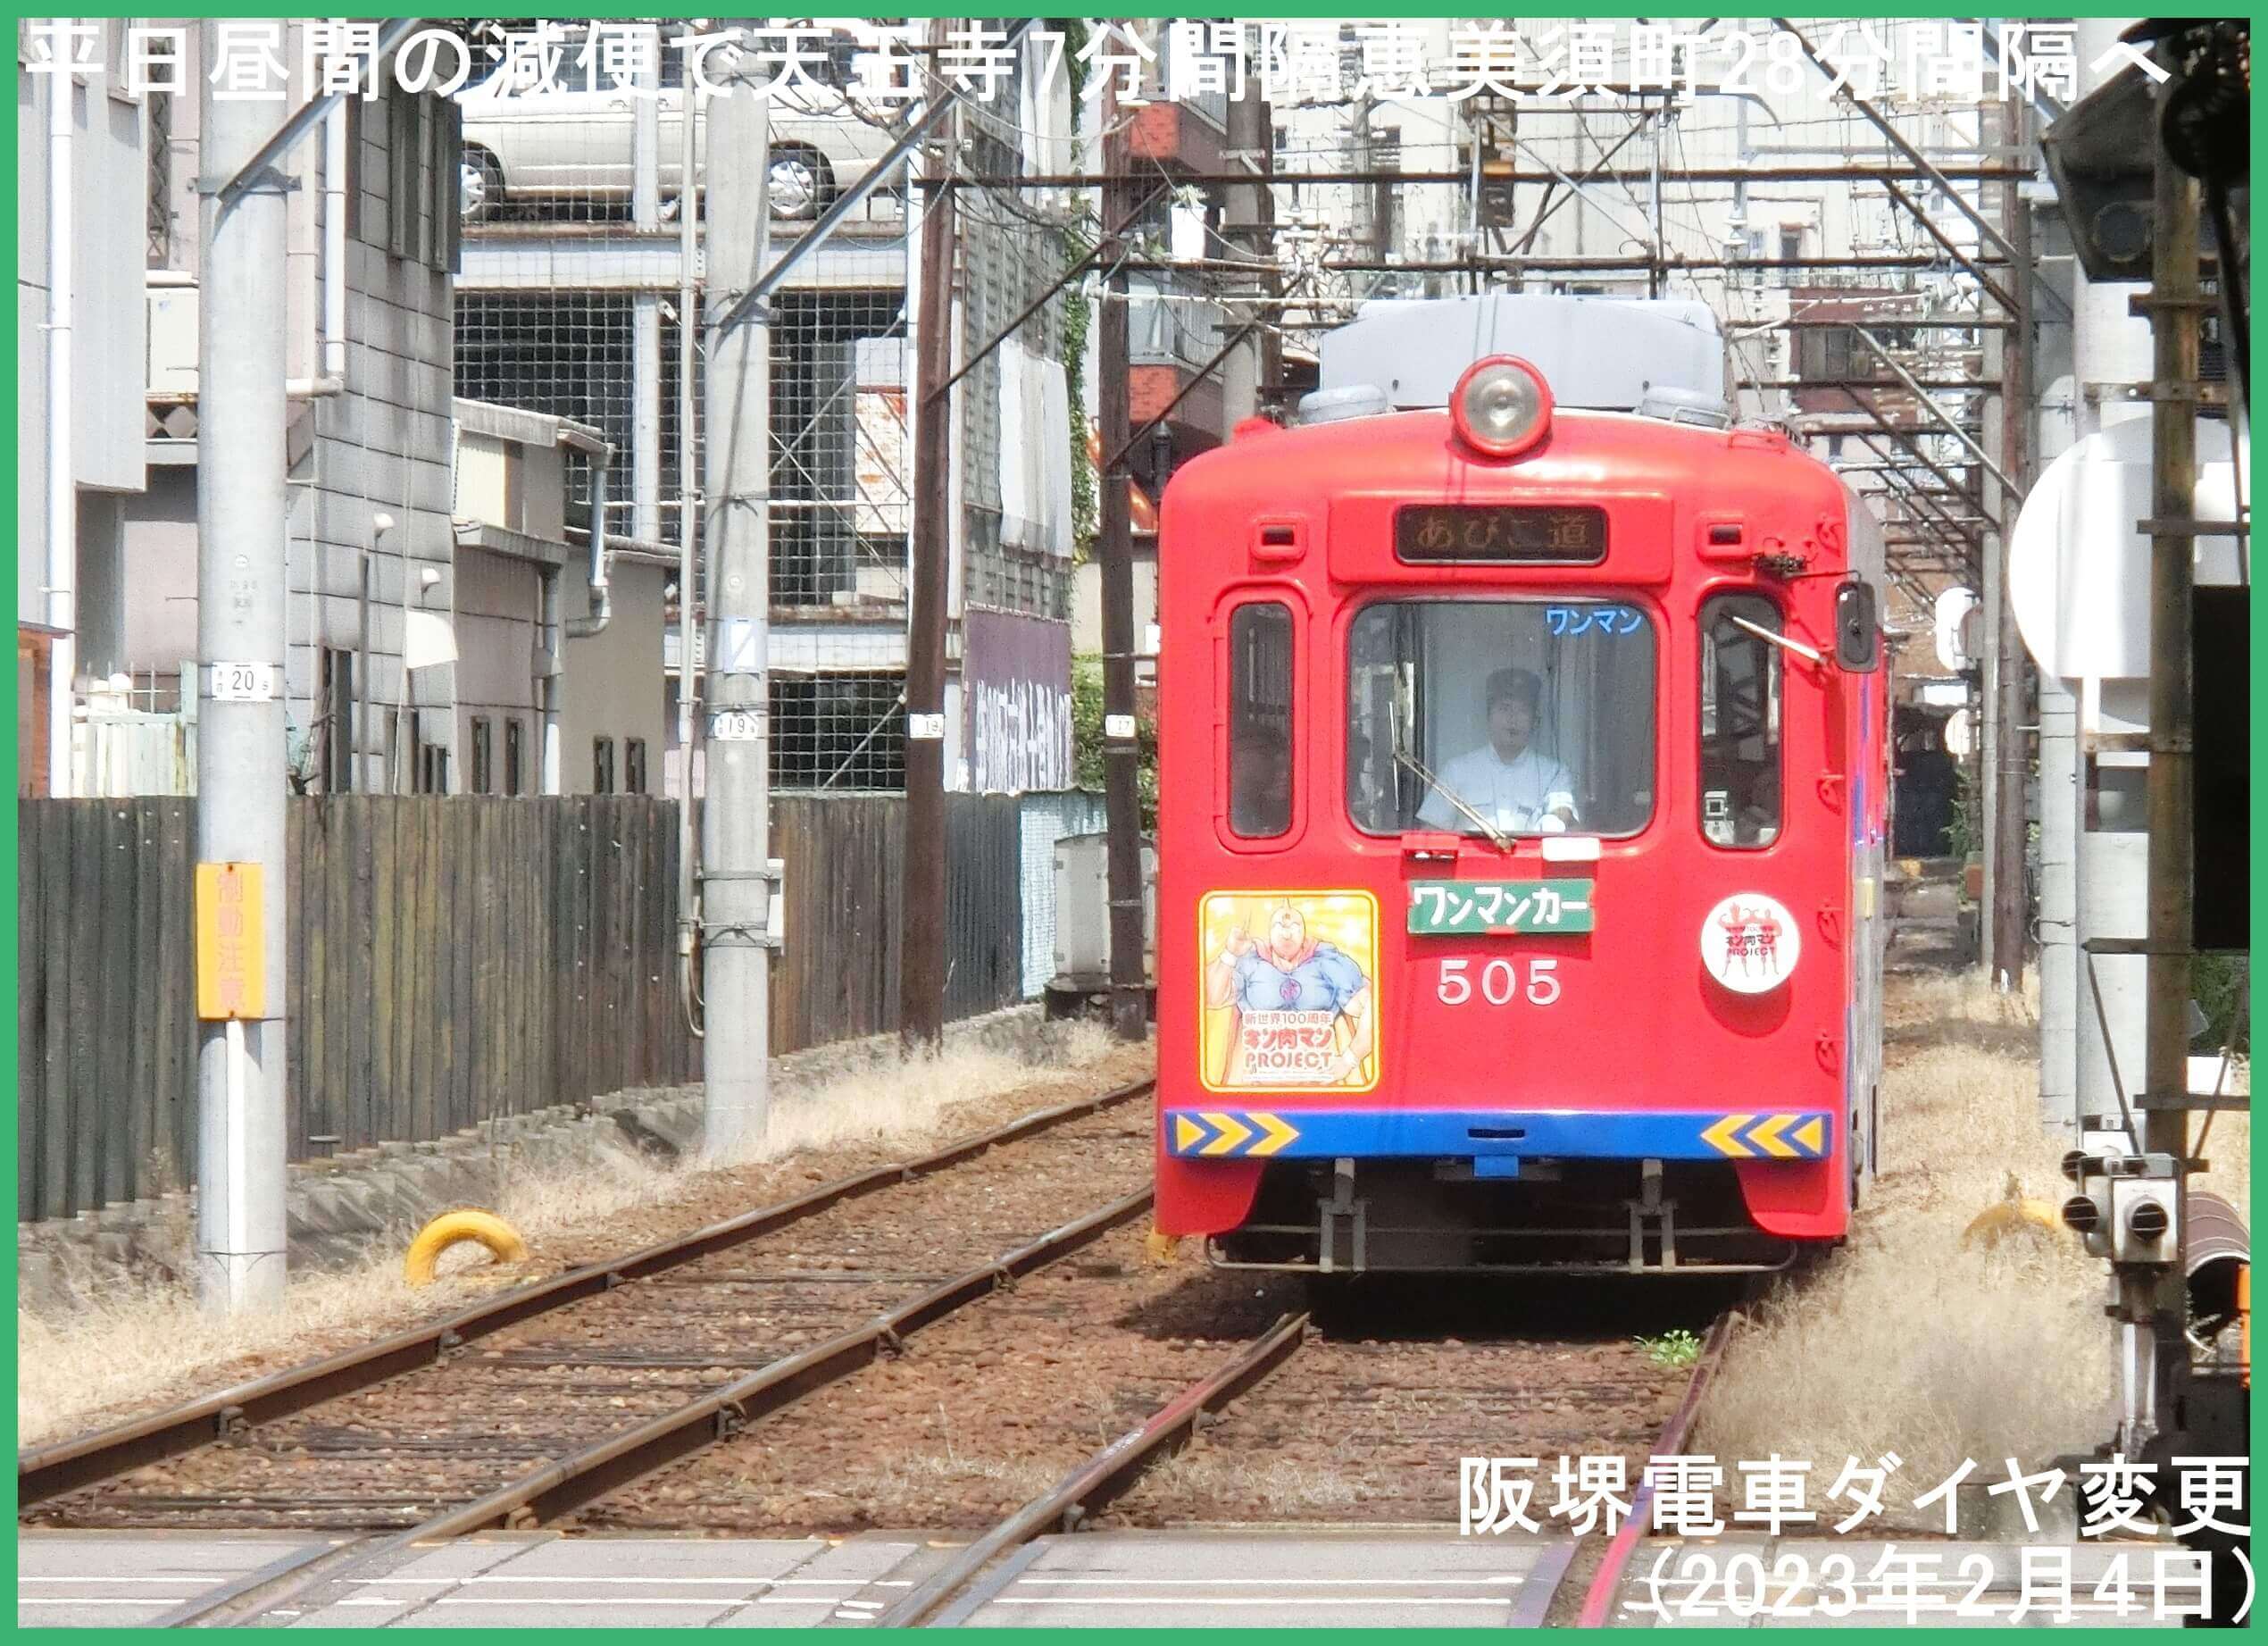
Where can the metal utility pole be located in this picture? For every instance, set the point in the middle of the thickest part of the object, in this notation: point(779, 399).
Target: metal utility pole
point(2174, 309)
point(921, 978)
point(1121, 751)
point(2008, 912)
point(737, 878)
point(240, 739)
point(645, 309)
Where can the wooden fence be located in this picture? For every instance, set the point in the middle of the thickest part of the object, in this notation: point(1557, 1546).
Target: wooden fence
point(450, 960)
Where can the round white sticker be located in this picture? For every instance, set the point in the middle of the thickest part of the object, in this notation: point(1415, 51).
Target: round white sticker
point(1749, 943)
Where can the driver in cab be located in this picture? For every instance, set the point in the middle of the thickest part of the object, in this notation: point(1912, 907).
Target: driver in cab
point(1506, 779)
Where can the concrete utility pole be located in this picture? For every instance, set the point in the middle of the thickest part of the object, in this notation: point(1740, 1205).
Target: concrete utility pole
point(1121, 751)
point(735, 878)
point(688, 566)
point(2009, 913)
point(240, 739)
point(63, 478)
point(922, 959)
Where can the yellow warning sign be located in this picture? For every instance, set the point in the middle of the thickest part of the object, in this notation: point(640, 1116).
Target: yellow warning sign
point(1218, 1133)
point(231, 942)
point(1769, 1136)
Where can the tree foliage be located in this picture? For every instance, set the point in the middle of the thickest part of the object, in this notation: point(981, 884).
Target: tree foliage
point(1086, 738)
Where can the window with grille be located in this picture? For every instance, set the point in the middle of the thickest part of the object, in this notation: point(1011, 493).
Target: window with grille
point(419, 139)
point(433, 770)
point(634, 765)
point(512, 785)
point(159, 110)
point(481, 754)
point(601, 765)
point(837, 730)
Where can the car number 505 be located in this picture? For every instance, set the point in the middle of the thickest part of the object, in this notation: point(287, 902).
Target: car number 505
point(1499, 982)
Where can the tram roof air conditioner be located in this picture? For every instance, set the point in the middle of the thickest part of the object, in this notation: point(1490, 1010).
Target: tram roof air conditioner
point(1336, 406)
point(1686, 405)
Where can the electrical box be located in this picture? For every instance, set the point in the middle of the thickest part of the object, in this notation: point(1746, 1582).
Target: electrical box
point(1083, 909)
point(173, 339)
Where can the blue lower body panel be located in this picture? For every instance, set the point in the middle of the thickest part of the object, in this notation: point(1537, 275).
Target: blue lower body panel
point(1497, 1134)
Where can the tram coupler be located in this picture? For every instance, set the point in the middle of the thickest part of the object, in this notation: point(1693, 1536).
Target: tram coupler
point(1342, 1208)
point(1652, 1206)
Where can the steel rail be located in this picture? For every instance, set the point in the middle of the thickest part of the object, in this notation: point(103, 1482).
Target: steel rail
point(1598, 1599)
point(1107, 1474)
point(564, 1484)
point(49, 1471)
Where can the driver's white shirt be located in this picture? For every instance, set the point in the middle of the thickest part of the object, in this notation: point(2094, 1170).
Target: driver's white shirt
point(1512, 794)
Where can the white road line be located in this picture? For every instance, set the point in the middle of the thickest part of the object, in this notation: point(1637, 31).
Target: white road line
point(97, 1599)
point(777, 1583)
point(1270, 1599)
point(713, 1601)
point(1261, 1583)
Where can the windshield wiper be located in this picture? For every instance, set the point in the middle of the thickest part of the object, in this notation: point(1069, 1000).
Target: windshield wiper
point(1502, 842)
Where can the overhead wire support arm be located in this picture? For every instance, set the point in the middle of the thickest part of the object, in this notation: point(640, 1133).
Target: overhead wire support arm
point(1040, 302)
point(1993, 289)
point(933, 111)
point(1882, 123)
point(1760, 176)
point(1937, 413)
point(305, 119)
point(1906, 437)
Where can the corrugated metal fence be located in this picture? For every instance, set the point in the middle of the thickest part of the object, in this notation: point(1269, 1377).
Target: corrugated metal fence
point(455, 959)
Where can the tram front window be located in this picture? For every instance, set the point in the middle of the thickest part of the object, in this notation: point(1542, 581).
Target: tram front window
point(1501, 717)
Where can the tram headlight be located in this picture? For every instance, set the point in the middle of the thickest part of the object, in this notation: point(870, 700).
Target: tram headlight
point(1501, 407)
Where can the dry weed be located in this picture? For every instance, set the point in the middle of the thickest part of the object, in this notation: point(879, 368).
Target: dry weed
point(1206, 1475)
point(1908, 1340)
point(1959, 996)
point(146, 1338)
point(921, 1489)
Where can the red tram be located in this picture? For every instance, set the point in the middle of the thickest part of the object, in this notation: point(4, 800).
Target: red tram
point(1520, 846)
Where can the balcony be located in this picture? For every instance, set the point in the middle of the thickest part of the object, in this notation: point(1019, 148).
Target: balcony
point(1172, 331)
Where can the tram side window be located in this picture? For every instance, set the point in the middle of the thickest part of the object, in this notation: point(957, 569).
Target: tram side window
point(1740, 722)
point(1260, 721)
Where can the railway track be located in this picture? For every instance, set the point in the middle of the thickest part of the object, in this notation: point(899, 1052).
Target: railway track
point(1114, 1470)
point(1598, 1598)
point(361, 1440)
point(663, 1433)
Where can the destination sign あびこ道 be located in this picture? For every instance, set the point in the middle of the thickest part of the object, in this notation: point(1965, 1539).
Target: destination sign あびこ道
point(1494, 532)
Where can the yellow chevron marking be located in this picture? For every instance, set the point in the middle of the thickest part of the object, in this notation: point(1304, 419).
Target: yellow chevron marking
point(1233, 1132)
point(1767, 1136)
point(1277, 1134)
point(1724, 1137)
point(1186, 1133)
point(1812, 1134)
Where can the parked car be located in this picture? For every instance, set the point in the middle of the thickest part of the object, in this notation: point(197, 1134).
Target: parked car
point(571, 141)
